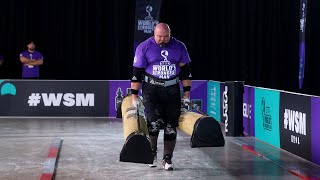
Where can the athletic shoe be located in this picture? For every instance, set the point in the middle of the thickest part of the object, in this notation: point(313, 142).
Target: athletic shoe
point(154, 164)
point(167, 163)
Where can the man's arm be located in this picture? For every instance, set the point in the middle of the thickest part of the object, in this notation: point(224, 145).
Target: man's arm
point(186, 83)
point(136, 80)
point(186, 79)
point(135, 86)
point(25, 60)
point(35, 63)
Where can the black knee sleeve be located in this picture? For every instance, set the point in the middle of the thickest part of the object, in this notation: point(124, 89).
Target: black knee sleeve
point(153, 133)
point(170, 134)
point(154, 128)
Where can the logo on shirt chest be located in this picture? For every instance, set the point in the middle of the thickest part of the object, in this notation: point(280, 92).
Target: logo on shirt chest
point(165, 69)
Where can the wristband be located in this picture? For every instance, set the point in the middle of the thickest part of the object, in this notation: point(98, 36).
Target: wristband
point(133, 91)
point(186, 88)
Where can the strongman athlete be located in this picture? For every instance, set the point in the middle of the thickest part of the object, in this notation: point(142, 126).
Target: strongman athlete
point(159, 63)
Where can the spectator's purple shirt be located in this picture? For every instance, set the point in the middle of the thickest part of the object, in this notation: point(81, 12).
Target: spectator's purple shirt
point(31, 71)
point(1, 57)
point(161, 62)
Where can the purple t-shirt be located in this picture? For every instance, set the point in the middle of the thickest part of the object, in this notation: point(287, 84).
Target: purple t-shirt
point(161, 62)
point(31, 71)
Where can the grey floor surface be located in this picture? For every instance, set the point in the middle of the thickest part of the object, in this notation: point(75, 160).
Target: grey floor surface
point(91, 148)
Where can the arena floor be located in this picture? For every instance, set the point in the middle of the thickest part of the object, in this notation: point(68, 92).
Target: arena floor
point(91, 148)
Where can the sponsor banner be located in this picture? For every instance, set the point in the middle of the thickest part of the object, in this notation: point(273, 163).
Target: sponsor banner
point(302, 35)
point(198, 94)
point(213, 93)
point(315, 131)
point(118, 89)
point(225, 108)
point(232, 106)
point(222, 85)
point(248, 110)
point(53, 98)
point(295, 124)
point(266, 116)
point(147, 17)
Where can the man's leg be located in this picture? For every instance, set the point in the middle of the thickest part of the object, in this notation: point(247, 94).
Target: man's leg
point(171, 117)
point(170, 137)
point(153, 112)
point(154, 128)
point(153, 143)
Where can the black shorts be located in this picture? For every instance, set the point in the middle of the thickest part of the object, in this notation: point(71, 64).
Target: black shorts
point(162, 103)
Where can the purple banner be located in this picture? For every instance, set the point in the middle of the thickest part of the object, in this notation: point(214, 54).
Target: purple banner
point(117, 90)
point(303, 18)
point(315, 129)
point(248, 110)
point(198, 94)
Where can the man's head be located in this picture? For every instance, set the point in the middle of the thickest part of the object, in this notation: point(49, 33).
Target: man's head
point(162, 33)
point(31, 46)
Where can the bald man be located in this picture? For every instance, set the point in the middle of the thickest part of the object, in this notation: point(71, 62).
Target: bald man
point(160, 63)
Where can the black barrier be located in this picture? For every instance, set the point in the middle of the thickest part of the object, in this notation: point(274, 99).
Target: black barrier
point(136, 149)
point(207, 133)
point(232, 108)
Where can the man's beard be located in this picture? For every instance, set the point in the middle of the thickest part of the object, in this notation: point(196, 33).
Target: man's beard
point(31, 49)
point(162, 44)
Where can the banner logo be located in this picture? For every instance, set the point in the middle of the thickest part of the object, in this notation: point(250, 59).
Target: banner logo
point(7, 89)
point(147, 25)
point(247, 110)
point(213, 99)
point(225, 107)
point(266, 116)
point(67, 99)
point(149, 10)
point(295, 121)
point(118, 99)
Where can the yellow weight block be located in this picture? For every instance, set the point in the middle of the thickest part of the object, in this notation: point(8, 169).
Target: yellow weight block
point(187, 121)
point(137, 147)
point(130, 118)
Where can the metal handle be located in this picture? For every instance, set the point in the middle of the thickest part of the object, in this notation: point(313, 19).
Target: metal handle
point(196, 107)
point(138, 118)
